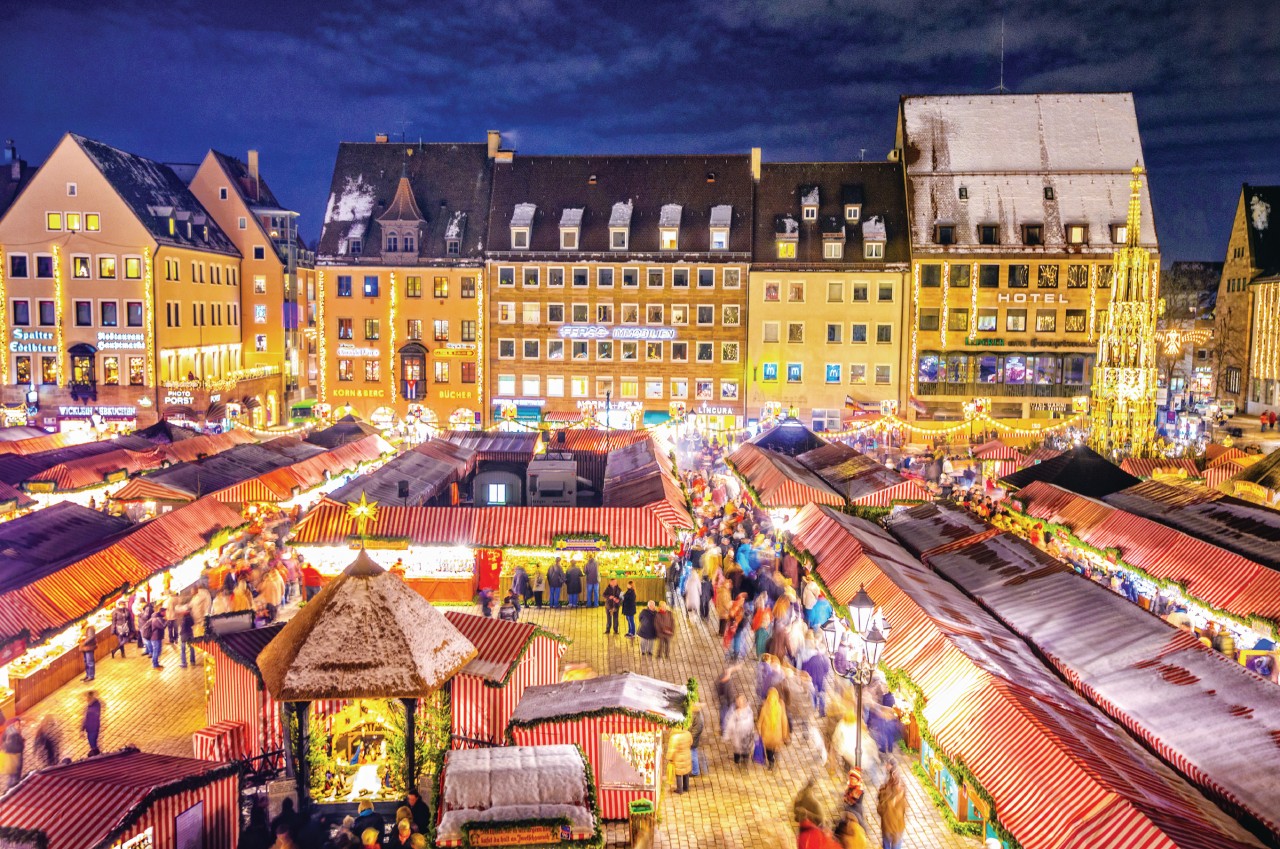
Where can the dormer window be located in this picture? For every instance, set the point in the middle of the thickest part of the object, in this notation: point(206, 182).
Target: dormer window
point(1077, 234)
point(453, 233)
point(831, 249)
point(852, 212)
point(874, 236)
point(1119, 234)
point(669, 226)
point(833, 237)
point(721, 220)
point(521, 223)
point(354, 246)
point(944, 234)
point(452, 247)
point(1048, 193)
point(570, 228)
point(620, 225)
point(1033, 235)
point(786, 231)
point(964, 193)
point(173, 226)
point(809, 203)
point(988, 234)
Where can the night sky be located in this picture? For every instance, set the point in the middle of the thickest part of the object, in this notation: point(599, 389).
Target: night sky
point(804, 79)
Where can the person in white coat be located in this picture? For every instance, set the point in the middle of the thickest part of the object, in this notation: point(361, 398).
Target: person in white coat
point(692, 593)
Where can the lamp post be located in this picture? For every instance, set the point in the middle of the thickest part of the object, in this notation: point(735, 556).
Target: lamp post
point(855, 653)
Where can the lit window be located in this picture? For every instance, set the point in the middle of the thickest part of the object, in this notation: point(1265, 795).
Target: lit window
point(719, 239)
point(1119, 233)
point(92, 222)
point(670, 240)
point(132, 268)
point(497, 492)
point(1077, 234)
point(440, 287)
point(53, 221)
point(440, 371)
point(833, 250)
point(786, 250)
point(874, 250)
point(73, 221)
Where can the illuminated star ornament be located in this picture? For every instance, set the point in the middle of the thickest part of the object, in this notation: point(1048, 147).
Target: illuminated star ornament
point(364, 512)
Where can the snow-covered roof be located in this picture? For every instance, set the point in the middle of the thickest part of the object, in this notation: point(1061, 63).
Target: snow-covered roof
point(664, 702)
point(808, 195)
point(571, 217)
point(366, 635)
point(457, 223)
point(721, 215)
point(873, 229)
point(670, 215)
point(621, 214)
point(786, 225)
point(353, 203)
point(1082, 146)
point(513, 783)
point(523, 215)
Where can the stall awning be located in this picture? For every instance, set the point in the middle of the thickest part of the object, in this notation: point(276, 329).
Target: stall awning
point(779, 480)
point(1146, 467)
point(653, 418)
point(94, 470)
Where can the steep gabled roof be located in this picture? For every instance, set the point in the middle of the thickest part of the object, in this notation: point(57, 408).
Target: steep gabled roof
point(402, 207)
point(253, 193)
point(1260, 204)
point(155, 193)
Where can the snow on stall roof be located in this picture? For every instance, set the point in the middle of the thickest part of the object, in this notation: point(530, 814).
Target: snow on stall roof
point(621, 214)
point(721, 215)
point(664, 701)
point(523, 215)
point(809, 195)
point(366, 635)
point(873, 229)
point(354, 203)
point(571, 217)
point(670, 215)
point(510, 783)
point(457, 221)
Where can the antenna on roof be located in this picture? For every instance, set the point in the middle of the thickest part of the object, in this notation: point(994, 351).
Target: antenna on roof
point(1002, 88)
point(404, 126)
point(862, 154)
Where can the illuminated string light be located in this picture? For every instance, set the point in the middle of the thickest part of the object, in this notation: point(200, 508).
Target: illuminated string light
point(891, 422)
point(973, 302)
point(322, 336)
point(1093, 302)
point(915, 322)
point(58, 310)
point(4, 323)
point(149, 308)
point(391, 342)
point(482, 395)
point(946, 289)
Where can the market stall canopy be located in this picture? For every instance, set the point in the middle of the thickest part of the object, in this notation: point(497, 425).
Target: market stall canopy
point(637, 476)
point(627, 693)
point(1081, 470)
point(788, 437)
point(1031, 742)
point(996, 450)
point(428, 469)
point(33, 440)
point(1039, 455)
point(366, 635)
point(1265, 473)
point(1216, 452)
point(12, 499)
point(1150, 467)
point(95, 470)
point(499, 644)
point(94, 803)
point(17, 468)
point(1208, 716)
point(935, 528)
point(167, 433)
point(40, 543)
point(344, 430)
point(859, 478)
point(780, 480)
point(205, 445)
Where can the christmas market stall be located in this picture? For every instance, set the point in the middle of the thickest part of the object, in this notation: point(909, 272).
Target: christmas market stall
point(128, 800)
point(1161, 467)
point(619, 721)
point(510, 657)
point(1015, 754)
point(359, 665)
point(1038, 456)
point(1141, 680)
point(235, 693)
point(1259, 482)
point(63, 568)
point(997, 459)
point(14, 502)
point(521, 796)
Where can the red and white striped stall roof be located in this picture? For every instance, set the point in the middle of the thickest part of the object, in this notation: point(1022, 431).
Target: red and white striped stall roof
point(1216, 452)
point(1146, 467)
point(238, 693)
point(93, 470)
point(207, 445)
point(781, 481)
point(997, 450)
point(499, 643)
point(95, 803)
point(1039, 456)
point(1060, 774)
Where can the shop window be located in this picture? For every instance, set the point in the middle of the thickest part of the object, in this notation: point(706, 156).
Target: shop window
point(1074, 370)
point(928, 369)
point(22, 371)
point(111, 371)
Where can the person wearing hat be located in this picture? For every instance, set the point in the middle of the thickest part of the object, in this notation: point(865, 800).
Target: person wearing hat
point(680, 756)
point(854, 793)
point(120, 627)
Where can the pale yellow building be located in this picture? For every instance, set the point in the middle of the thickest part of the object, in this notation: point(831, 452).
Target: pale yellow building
point(827, 292)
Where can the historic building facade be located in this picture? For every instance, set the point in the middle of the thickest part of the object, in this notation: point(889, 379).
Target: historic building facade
point(401, 282)
point(827, 291)
point(617, 287)
point(1015, 211)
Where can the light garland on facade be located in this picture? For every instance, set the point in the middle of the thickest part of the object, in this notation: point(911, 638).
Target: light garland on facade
point(391, 343)
point(892, 422)
point(946, 290)
point(149, 308)
point(915, 322)
point(322, 366)
point(4, 325)
point(481, 389)
point(58, 311)
point(973, 302)
point(1093, 302)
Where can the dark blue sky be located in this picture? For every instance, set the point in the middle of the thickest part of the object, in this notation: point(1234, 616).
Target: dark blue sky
point(803, 79)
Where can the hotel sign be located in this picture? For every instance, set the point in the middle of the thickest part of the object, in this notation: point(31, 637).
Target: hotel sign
point(600, 331)
point(1035, 297)
point(32, 342)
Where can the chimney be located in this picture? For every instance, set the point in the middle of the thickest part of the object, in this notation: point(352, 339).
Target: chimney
point(495, 142)
point(253, 174)
point(755, 164)
point(380, 138)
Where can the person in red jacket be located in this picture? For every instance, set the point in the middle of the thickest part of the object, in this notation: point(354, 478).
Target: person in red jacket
point(811, 836)
point(311, 581)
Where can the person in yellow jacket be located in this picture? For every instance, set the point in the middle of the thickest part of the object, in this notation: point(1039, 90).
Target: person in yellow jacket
point(772, 726)
point(680, 756)
point(891, 804)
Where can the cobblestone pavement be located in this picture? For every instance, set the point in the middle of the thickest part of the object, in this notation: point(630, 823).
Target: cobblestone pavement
point(731, 806)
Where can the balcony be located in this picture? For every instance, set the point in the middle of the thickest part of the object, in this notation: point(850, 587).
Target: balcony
point(83, 391)
point(218, 384)
point(999, 390)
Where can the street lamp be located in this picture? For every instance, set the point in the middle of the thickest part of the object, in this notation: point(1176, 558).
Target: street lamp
point(855, 654)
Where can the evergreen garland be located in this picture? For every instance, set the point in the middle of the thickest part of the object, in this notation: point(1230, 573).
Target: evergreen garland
point(967, 829)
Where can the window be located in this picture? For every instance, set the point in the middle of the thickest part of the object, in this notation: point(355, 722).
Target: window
point(631, 278)
point(810, 213)
point(22, 370)
point(260, 316)
point(654, 278)
point(568, 239)
point(530, 386)
point(531, 276)
point(555, 313)
point(706, 278)
point(770, 331)
point(988, 276)
point(80, 267)
point(371, 286)
point(439, 287)
point(1019, 276)
point(795, 332)
point(680, 278)
point(578, 387)
point(988, 234)
point(133, 268)
point(884, 334)
point(730, 315)
point(860, 293)
point(630, 314)
point(259, 284)
point(555, 278)
point(18, 265)
point(92, 222)
point(1077, 277)
point(506, 384)
point(372, 328)
point(654, 314)
point(107, 267)
point(795, 292)
point(772, 289)
point(48, 370)
point(728, 390)
point(679, 387)
point(930, 276)
point(468, 287)
point(440, 371)
point(84, 313)
point(795, 373)
point(415, 329)
point(581, 350)
point(604, 278)
point(468, 329)
point(884, 293)
point(679, 352)
point(452, 247)
point(1077, 321)
point(346, 328)
point(630, 352)
point(835, 292)
point(506, 276)
point(344, 285)
point(786, 249)
point(53, 221)
point(729, 352)
point(706, 314)
point(944, 234)
point(719, 239)
point(467, 371)
point(110, 314)
point(519, 238)
point(833, 373)
point(372, 371)
point(555, 349)
point(832, 249)
point(345, 371)
point(1033, 234)
point(884, 375)
point(136, 371)
point(873, 250)
point(958, 320)
point(506, 349)
point(440, 330)
point(48, 314)
point(1104, 276)
point(259, 252)
point(653, 388)
point(1016, 321)
point(630, 387)
point(858, 333)
point(670, 239)
point(1047, 277)
point(581, 313)
point(506, 312)
point(581, 277)
point(1046, 321)
point(22, 313)
point(834, 333)
point(653, 352)
point(731, 278)
point(243, 223)
point(960, 276)
point(852, 212)
point(705, 352)
point(530, 349)
point(702, 390)
point(929, 318)
point(618, 238)
point(1232, 378)
point(1119, 234)
point(1077, 234)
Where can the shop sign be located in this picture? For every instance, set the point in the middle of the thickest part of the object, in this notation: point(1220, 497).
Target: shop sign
point(523, 402)
point(32, 342)
point(143, 840)
point(520, 836)
point(381, 544)
point(600, 331)
point(213, 399)
point(1035, 297)
point(454, 353)
point(105, 412)
point(455, 394)
point(357, 393)
point(769, 372)
point(352, 351)
point(978, 804)
point(615, 406)
point(121, 341)
point(461, 346)
point(1050, 406)
point(584, 543)
point(1251, 489)
point(717, 411)
point(988, 343)
point(180, 398)
point(116, 476)
point(40, 487)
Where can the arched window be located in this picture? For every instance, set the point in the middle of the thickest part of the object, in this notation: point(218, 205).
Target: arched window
point(408, 243)
point(392, 243)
